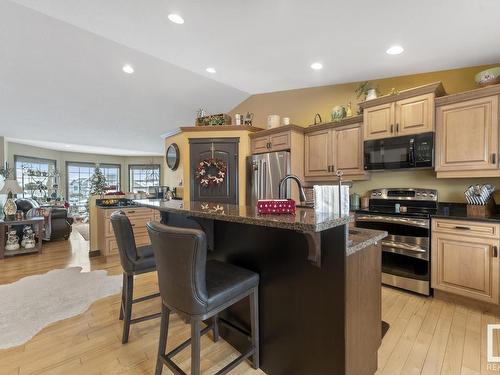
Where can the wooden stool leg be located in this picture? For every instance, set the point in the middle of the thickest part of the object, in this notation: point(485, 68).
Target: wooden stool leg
point(216, 327)
point(254, 318)
point(128, 308)
point(162, 346)
point(195, 347)
point(122, 304)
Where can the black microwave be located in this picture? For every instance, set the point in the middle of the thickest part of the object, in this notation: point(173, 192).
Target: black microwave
point(409, 151)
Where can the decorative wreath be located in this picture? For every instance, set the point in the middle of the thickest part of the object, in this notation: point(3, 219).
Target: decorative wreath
point(211, 172)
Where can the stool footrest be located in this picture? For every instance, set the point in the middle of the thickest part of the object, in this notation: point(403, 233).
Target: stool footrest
point(145, 298)
point(144, 318)
point(186, 343)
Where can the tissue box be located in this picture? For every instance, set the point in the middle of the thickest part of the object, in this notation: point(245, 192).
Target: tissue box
point(276, 206)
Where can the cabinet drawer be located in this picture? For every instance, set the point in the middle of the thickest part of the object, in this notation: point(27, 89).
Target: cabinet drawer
point(466, 228)
point(132, 212)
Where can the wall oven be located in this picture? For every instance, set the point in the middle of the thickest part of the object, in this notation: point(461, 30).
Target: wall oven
point(405, 215)
point(411, 151)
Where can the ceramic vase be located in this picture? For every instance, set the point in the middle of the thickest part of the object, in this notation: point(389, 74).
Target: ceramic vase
point(371, 94)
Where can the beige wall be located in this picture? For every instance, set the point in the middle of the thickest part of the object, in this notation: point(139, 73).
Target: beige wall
point(172, 178)
point(61, 157)
point(302, 104)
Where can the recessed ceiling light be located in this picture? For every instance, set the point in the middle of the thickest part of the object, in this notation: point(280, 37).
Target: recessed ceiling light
point(67, 146)
point(175, 18)
point(211, 70)
point(317, 66)
point(395, 50)
point(128, 69)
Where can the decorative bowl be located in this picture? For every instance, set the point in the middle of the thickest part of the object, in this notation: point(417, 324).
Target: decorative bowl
point(488, 77)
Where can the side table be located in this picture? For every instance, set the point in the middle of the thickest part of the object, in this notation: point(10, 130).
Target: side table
point(36, 222)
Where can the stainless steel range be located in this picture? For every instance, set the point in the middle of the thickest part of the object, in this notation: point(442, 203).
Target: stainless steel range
point(405, 215)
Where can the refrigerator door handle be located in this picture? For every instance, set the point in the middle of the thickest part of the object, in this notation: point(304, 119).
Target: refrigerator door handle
point(264, 182)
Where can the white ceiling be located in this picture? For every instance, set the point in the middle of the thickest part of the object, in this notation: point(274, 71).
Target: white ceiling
point(66, 76)
point(62, 85)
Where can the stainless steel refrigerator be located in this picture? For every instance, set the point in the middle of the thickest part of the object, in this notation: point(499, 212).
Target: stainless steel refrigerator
point(265, 172)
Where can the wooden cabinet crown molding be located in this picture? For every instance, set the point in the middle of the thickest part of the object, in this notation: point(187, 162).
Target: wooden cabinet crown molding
point(221, 128)
point(279, 129)
point(435, 88)
point(331, 125)
point(468, 95)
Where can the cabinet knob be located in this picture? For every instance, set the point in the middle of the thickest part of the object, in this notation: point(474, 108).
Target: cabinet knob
point(495, 251)
point(493, 158)
point(392, 128)
point(397, 127)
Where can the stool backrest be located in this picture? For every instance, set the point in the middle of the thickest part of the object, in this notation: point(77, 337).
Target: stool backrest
point(180, 255)
point(125, 240)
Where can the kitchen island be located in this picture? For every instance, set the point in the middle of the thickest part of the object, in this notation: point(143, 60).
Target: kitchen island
point(320, 294)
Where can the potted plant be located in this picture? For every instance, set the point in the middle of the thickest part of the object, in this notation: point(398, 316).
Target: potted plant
point(368, 89)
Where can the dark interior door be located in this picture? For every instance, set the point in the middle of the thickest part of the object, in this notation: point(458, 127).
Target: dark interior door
point(225, 149)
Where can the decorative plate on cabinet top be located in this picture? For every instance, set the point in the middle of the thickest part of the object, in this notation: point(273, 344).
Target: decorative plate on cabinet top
point(488, 77)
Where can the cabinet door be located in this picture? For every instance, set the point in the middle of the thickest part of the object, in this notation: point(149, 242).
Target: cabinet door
point(467, 135)
point(280, 141)
point(348, 149)
point(379, 121)
point(415, 115)
point(259, 145)
point(318, 153)
point(467, 266)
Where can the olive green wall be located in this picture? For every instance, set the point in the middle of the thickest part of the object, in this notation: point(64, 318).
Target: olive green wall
point(302, 104)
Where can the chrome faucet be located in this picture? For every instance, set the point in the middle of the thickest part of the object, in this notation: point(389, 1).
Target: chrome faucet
point(282, 190)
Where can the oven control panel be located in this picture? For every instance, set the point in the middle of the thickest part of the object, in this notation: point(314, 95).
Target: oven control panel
point(405, 194)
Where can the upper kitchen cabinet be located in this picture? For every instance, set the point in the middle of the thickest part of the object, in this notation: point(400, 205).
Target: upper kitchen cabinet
point(467, 130)
point(409, 112)
point(332, 147)
point(276, 139)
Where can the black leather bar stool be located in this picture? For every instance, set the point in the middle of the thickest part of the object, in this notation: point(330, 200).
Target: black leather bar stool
point(134, 261)
point(198, 289)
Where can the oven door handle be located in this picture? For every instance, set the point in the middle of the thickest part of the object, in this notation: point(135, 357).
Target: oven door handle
point(421, 223)
point(403, 246)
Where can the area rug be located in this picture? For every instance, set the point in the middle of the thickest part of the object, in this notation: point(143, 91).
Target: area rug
point(83, 229)
point(34, 302)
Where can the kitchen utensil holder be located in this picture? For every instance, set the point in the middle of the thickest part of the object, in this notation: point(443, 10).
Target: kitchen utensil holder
point(489, 209)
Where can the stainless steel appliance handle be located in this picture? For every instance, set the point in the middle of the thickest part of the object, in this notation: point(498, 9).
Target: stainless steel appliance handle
point(423, 223)
point(403, 246)
point(264, 182)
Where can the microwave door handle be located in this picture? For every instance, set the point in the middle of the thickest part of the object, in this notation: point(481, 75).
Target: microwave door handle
point(412, 153)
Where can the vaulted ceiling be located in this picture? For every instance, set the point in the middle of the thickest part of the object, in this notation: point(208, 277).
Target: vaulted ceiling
point(61, 78)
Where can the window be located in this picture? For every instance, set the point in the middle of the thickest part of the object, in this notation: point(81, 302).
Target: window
point(38, 178)
point(143, 176)
point(78, 176)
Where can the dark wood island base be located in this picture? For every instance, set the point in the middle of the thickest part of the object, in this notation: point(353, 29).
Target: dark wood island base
point(315, 318)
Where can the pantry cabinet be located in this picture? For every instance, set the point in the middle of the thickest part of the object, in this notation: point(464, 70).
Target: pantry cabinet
point(333, 147)
point(465, 259)
point(467, 130)
point(406, 113)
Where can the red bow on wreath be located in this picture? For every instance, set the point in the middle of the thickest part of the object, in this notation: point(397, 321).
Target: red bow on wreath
point(205, 172)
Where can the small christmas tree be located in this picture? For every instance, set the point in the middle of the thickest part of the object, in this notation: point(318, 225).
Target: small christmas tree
point(97, 182)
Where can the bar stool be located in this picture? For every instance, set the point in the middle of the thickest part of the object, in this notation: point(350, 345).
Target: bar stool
point(198, 289)
point(134, 261)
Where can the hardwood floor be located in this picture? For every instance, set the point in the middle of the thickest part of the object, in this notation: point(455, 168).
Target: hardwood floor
point(427, 336)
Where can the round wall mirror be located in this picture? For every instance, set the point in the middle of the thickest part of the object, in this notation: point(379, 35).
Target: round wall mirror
point(173, 156)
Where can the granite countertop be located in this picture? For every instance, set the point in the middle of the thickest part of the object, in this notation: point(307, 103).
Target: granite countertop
point(304, 220)
point(359, 238)
point(458, 211)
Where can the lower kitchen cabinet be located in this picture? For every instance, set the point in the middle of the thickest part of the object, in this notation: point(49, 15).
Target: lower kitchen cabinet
point(465, 259)
point(138, 216)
